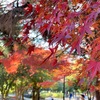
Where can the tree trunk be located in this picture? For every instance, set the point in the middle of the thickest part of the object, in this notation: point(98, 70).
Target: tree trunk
point(89, 95)
point(36, 94)
point(17, 93)
point(4, 95)
point(23, 96)
point(98, 91)
point(98, 95)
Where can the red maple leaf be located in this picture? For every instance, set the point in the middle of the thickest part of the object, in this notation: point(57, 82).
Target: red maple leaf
point(29, 9)
point(31, 49)
point(37, 8)
point(93, 68)
point(54, 62)
point(1, 53)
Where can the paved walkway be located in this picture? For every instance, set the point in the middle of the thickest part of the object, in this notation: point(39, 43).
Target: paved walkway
point(54, 99)
point(61, 99)
point(45, 99)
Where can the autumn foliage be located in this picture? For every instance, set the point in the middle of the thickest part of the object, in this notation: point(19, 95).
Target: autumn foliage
point(72, 26)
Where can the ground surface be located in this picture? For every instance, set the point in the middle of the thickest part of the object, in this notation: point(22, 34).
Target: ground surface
point(12, 97)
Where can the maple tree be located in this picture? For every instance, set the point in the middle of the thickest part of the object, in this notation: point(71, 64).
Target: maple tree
point(37, 71)
point(21, 83)
point(72, 25)
point(76, 20)
point(6, 82)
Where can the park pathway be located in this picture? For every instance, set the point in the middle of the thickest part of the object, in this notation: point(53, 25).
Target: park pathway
point(54, 99)
point(61, 99)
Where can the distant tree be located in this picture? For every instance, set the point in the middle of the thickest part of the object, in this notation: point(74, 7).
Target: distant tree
point(6, 82)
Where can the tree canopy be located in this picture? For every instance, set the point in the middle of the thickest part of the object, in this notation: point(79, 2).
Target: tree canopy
point(70, 27)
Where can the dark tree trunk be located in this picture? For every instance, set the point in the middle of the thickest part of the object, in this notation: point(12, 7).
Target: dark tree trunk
point(22, 96)
point(89, 95)
point(36, 93)
point(2, 96)
point(98, 95)
point(98, 91)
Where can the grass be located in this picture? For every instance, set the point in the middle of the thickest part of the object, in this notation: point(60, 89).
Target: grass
point(45, 94)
